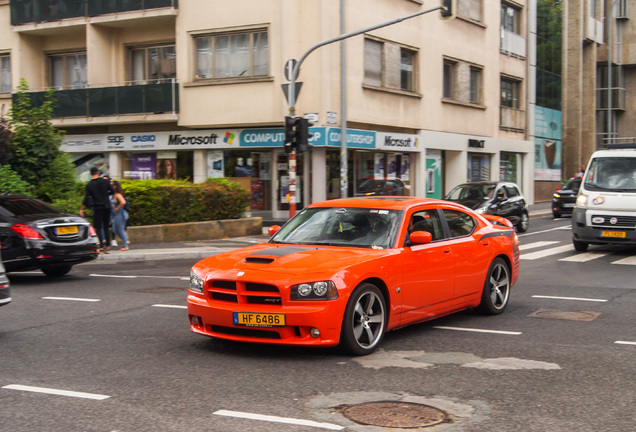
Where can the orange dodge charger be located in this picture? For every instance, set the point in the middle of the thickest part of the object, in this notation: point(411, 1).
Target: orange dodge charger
point(343, 272)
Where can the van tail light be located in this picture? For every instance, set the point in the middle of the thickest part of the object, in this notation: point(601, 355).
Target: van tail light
point(27, 232)
point(92, 231)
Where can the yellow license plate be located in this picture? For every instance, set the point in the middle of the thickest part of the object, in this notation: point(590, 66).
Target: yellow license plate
point(67, 230)
point(259, 319)
point(620, 234)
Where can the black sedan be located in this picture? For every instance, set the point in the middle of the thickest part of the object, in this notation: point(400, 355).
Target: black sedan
point(497, 198)
point(564, 198)
point(5, 291)
point(35, 235)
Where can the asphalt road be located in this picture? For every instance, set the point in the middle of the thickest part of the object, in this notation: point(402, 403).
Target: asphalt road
point(108, 348)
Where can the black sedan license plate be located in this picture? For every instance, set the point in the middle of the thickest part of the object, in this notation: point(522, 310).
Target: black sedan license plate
point(619, 234)
point(67, 230)
point(259, 319)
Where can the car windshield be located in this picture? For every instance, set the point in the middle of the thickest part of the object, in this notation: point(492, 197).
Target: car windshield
point(25, 206)
point(482, 191)
point(612, 174)
point(572, 184)
point(338, 226)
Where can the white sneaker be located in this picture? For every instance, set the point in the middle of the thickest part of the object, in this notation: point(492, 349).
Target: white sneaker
point(113, 243)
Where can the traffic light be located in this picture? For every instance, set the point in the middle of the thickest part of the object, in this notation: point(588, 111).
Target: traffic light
point(449, 9)
point(291, 133)
point(303, 134)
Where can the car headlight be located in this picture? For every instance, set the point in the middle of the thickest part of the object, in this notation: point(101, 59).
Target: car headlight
point(581, 200)
point(196, 282)
point(322, 290)
point(556, 195)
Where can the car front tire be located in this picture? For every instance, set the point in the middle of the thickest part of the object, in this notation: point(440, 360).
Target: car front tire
point(496, 293)
point(56, 271)
point(580, 246)
point(364, 321)
point(524, 223)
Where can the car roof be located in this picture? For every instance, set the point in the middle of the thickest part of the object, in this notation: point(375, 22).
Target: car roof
point(385, 202)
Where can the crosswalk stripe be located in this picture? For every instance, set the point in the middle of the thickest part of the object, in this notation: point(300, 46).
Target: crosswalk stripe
point(546, 252)
point(630, 260)
point(584, 257)
point(536, 245)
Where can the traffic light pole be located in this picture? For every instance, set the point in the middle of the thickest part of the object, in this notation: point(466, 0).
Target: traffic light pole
point(292, 89)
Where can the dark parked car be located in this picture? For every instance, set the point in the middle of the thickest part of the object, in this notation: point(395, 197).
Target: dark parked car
point(564, 198)
point(378, 187)
point(497, 198)
point(5, 291)
point(35, 235)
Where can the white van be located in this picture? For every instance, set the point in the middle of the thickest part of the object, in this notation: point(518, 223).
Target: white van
point(605, 209)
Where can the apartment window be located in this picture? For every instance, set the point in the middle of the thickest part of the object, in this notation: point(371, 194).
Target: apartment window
point(510, 93)
point(471, 9)
point(450, 72)
point(5, 73)
point(475, 85)
point(153, 64)
point(510, 18)
point(389, 65)
point(462, 81)
point(68, 71)
point(232, 55)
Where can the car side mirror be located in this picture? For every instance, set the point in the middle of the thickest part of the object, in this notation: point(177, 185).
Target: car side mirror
point(273, 230)
point(420, 237)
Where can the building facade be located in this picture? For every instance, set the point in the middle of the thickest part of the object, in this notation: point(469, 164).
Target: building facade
point(194, 89)
point(599, 94)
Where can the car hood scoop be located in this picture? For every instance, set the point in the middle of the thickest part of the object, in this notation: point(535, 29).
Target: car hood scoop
point(269, 255)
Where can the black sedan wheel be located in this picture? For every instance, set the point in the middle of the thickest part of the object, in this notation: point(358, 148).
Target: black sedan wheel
point(524, 223)
point(496, 288)
point(364, 321)
point(57, 270)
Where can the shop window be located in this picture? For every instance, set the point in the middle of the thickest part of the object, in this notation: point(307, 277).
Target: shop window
point(5, 73)
point(68, 71)
point(389, 65)
point(232, 55)
point(510, 167)
point(153, 64)
point(478, 167)
point(382, 174)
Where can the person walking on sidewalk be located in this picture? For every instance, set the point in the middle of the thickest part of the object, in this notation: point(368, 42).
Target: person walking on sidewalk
point(119, 214)
point(97, 197)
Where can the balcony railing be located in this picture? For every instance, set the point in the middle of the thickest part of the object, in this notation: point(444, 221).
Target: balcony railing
point(155, 98)
point(513, 44)
point(618, 98)
point(35, 11)
point(512, 119)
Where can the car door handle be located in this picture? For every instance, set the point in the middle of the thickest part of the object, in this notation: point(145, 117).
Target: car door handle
point(485, 243)
point(447, 251)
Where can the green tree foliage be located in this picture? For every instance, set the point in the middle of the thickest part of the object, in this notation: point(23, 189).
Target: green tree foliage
point(10, 182)
point(34, 147)
point(5, 138)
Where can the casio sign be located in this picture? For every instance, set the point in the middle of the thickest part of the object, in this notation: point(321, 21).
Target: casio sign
point(143, 138)
point(115, 139)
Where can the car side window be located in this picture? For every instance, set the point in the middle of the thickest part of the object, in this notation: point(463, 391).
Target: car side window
point(512, 191)
point(426, 220)
point(460, 224)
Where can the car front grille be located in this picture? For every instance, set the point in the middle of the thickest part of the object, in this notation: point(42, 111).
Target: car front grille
point(610, 221)
point(244, 292)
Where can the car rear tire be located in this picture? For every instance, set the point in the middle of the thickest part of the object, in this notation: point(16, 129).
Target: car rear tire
point(524, 223)
point(496, 293)
point(364, 321)
point(580, 246)
point(57, 271)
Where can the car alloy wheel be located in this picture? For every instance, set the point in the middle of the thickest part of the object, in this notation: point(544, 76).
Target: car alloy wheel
point(524, 223)
point(364, 320)
point(496, 288)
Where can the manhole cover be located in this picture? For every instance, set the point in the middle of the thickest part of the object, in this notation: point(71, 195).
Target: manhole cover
point(573, 316)
point(395, 414)
point(157, 290)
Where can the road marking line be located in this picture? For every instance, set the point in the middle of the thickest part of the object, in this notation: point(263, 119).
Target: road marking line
point(56, 392)
point(536, 245)
point(564, 227)
point(140, 276)
point(478, 330)
point(585, 257)
point(170, 306)
point(569, 298)
point(276, 419)
point(71, 299)
point(625, 343)
point(547, 252)
point(631, 260)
